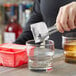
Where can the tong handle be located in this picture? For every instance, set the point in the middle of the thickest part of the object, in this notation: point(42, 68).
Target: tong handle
point(52, 30)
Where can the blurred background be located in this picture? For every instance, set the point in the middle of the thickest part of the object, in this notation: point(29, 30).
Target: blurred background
point(13, 16)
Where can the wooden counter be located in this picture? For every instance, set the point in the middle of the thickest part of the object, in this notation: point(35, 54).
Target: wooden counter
point(60, 68)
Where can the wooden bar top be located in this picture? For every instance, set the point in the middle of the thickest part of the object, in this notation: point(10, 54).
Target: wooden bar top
point(60, 68)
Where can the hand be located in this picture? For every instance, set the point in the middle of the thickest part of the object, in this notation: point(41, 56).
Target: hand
point(66, 19)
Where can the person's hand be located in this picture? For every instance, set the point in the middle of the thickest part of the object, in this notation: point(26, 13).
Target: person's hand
point(66, 19)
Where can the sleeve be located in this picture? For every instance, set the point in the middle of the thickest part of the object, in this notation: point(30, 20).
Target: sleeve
point(35, 17)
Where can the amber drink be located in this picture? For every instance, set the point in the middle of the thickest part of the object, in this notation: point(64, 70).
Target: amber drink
point(69, 45)
point(70, 51)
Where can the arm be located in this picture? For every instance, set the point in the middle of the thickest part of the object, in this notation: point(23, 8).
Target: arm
point(35, 17)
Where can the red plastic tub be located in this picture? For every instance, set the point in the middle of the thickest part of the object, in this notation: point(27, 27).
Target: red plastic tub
point(13, 55)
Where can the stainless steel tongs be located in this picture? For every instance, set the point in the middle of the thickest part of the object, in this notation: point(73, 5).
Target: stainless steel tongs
point(40, 36)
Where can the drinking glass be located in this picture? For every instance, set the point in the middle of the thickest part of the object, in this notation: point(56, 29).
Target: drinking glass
point(69, 45)
point(40, 56)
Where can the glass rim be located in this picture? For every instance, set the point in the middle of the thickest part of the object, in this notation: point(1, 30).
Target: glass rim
point(27, 42)
point(68, 37)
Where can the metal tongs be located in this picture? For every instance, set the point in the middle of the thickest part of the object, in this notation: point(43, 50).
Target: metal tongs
point(39, 37)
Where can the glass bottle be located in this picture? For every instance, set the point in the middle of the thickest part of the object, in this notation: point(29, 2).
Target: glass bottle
point(12, 30)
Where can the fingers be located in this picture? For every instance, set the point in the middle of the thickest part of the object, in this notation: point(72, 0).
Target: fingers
point(71, 18)
point(58, 24)
point(66, 19)
point(61, 20)
point(59, 27)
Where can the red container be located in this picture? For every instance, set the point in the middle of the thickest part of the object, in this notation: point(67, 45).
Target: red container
point(13, 55)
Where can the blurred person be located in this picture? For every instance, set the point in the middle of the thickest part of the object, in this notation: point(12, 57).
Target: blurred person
point(66, 19)
point(43, 11)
